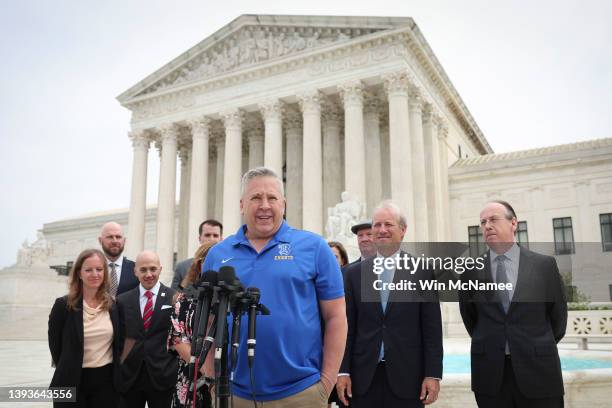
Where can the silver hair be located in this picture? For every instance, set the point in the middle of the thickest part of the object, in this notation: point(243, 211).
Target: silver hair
point(390, 205)
point(260, 172)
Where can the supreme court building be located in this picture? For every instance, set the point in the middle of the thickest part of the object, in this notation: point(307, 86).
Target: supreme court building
point(334, 104)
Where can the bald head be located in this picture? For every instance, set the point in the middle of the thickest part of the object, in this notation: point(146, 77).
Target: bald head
point(112, 240)
point(147, 269)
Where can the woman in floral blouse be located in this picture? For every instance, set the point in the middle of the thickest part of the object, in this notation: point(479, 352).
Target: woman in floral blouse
point(179, 338)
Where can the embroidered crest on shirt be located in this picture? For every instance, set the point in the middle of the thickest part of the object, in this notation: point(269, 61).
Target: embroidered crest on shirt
point(284, 253)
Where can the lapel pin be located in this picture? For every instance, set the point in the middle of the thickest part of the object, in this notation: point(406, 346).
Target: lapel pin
point(163, 294)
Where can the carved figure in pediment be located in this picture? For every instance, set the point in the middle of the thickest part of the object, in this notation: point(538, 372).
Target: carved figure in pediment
point(248, 49)
point(295, 43)
point(313, 41)
point(233, 53)
point(279, 45)
point(342, 36)
point(263, 46)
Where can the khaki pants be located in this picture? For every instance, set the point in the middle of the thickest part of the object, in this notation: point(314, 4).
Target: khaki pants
point(314, 396)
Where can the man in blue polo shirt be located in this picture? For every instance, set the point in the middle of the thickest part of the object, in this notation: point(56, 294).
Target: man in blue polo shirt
point(296, 364)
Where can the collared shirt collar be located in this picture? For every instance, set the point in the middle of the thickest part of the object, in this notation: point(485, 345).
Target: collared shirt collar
point(153, 290)
point(118, 263)
point(513, 253)
point(282, 235)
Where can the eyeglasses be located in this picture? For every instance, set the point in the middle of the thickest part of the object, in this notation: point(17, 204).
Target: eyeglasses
point(492, 220)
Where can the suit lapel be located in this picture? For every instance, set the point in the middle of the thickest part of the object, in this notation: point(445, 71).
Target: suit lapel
point(162, 295)
point(77, 316)
point(524, 270)
point(135, 307)
point(368, 277)
point(487, 276)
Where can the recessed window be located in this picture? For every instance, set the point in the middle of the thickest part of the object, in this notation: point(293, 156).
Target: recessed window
point(476, 241)
point(521, 234)
point(564, 236)
point(605, 223)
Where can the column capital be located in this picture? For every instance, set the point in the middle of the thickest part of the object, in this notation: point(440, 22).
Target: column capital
point(200, 127)
point(442, 128)
point(293, 120)
point(232, 118)
point(140, 139)
point(371, 104)
point(428, 113)
point(351, 93)
point(169, 133)
point(184, 151)
point(397, 83)
point(272, 109)
point(331, 111)
point(310, 102)
point(415, 102)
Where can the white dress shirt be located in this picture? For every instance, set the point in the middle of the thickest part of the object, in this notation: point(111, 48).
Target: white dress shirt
point(118, 265)
point(143, 298)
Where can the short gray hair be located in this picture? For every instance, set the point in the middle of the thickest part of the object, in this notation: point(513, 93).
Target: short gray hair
point(260, 172)
point(390, 205)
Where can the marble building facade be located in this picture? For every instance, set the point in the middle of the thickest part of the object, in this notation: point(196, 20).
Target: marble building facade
point(312, 98)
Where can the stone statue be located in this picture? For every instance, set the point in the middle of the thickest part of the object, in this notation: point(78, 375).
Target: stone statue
point(34, 254)
point(343, 216)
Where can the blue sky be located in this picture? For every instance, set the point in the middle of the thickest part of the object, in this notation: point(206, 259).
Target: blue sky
point(531, 73)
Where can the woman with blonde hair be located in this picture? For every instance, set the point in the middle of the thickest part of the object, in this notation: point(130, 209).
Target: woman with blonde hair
point(180, 336)
point(84, 335)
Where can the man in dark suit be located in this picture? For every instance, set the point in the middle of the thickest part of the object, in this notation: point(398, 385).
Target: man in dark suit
point(120, 268)
point(515, 361)
point(393, 354)
point(148, 372)
point(208, 231)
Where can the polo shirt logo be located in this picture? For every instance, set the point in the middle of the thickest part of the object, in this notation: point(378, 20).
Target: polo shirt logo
point(284, 253)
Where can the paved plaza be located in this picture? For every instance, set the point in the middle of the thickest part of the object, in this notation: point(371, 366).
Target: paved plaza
point(28, 363)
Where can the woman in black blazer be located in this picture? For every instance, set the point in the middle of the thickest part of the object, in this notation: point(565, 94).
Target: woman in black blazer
point(84, 337)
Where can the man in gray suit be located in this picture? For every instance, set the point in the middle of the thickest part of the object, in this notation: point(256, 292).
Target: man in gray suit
point(209, 231)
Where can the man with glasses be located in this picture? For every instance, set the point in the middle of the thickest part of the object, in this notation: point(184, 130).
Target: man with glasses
point(515, 361)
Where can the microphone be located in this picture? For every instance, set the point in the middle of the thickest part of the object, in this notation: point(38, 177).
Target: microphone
point(205, 296)
point(254, 296)
point(239, 301)
point(226, 284)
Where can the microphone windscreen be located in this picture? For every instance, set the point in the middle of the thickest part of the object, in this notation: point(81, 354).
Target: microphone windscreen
point(226, 274)
point(253, 293)
point(210, 277)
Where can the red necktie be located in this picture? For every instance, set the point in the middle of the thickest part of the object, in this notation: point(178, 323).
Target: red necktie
point(148, 310)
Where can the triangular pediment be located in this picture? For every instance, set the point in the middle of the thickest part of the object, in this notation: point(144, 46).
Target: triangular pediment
point(256, 39)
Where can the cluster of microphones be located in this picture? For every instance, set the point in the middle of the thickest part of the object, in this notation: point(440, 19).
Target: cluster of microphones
point(219, 294)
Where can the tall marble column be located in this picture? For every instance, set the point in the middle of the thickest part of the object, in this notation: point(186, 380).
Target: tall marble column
point(400, 150)
point(272, 112)
point(373, 164)
point(445, 217)
point(354, 140)
point(312, 202)
point(432, 175)
point(385, 154)
point(418, 166)
point(255, 137)
point(200, 130)
point(332, 156)
point(138, 197)
point(220, 146)
point(233, 170)
point(166, 201)
point(183, 216)
point(293, 186)
point(212, 181)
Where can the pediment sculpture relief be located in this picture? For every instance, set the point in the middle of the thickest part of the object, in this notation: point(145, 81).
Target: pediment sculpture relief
point(252, 45)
